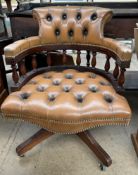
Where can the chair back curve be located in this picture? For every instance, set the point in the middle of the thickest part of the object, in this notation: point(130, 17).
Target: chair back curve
point(71, 24)
point(66, 28)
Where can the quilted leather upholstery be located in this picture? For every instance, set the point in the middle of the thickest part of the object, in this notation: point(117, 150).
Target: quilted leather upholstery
point(68, 102)
point(70, 25)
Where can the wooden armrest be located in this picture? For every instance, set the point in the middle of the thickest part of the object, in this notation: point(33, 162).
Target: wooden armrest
point(16, 48)
point(123, 52)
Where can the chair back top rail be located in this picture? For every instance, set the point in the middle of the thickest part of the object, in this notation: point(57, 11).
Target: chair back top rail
point(75, 27)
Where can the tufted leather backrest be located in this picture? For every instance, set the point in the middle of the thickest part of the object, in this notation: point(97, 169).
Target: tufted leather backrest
point(70, 27)
point(71, 24)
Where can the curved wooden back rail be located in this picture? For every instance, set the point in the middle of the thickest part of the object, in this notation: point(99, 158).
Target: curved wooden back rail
point(117, 75)
point(70, 28)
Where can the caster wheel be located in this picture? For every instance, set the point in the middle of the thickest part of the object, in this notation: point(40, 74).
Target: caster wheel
point(102, 167)
point(21, 155)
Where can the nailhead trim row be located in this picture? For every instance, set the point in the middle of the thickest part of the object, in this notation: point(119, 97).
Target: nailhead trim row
point(84, 129)
point(67, 122)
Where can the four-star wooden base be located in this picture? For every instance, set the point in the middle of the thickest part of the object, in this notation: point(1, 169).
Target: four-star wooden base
point(86, 137)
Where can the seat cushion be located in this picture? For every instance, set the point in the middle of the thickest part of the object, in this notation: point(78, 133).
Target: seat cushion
point(69, 101)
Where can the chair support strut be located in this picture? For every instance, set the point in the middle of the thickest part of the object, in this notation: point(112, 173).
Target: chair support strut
point(85, 136)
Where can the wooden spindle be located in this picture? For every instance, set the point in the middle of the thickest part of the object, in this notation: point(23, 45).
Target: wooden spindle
point(88, 58)
point(116, 71)
point(93, 62)
point(121, 78)
point(78, 60)
point(49, 61)
point(15, 75)
point(64, 57)
point(34, 62)
point(22, 68)
point(107, 64)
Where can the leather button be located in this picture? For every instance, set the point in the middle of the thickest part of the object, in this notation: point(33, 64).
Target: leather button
point(25, 95)
point(79, 81)
point(40, 88)
point(49, 17)
point(93, 88)
point(85, 32)
point(51, 96)
point(66, 88)
point(70, 32)
point(79, 97)
point(69, 76)
point(78, 16)
point(108, 98)
point(56, 82)
point(57, 32)
point(64, 16)
point(94, 16)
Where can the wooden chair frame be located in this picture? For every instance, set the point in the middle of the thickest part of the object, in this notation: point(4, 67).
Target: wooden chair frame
point(117, 79)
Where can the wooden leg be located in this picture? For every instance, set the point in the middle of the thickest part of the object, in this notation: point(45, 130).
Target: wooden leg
point(41, 135)
point(134, 138)
point(95, 147)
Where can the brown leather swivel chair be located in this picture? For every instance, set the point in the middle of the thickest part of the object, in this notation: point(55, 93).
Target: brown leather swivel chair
point(69, 99)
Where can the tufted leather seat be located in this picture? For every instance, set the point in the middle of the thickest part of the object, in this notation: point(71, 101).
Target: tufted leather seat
point(68, 102)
